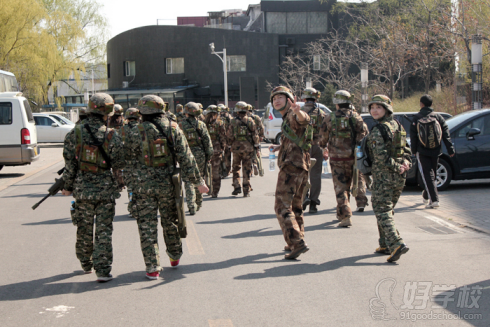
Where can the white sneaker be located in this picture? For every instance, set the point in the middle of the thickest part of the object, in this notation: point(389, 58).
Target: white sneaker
point(426, 201)
point(360, 209)
point(105, 279)
point(433, 205)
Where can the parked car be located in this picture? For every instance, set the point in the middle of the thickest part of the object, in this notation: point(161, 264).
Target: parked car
point(272, 122)
point(18, 141)
point(60, 118)
point(51, 130)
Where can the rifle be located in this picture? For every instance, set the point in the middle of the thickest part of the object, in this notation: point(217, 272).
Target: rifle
point(355, 188)
point(179, 198)
point(53, 190)
point(209, 178)
point(307, 185)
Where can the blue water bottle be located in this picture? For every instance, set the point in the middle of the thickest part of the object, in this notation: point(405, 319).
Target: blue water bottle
point(325, 169)
point(271, 160)
point(359, 152)
point(72, 206)
point(131, 196)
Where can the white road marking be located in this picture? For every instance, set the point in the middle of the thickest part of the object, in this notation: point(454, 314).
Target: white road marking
point(443, 223)
point(60, 310)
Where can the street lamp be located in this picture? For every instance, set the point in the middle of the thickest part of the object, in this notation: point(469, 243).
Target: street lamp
point(476, 60)
point(224, 61)
point(364, 86)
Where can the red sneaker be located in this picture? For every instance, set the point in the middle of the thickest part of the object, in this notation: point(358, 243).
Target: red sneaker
point(153, 276)
point(174, 262)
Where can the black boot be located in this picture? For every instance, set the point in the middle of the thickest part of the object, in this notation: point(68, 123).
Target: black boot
point(237, 191)
point(313, 208)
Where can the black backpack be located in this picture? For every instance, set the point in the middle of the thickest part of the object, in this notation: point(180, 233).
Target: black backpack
point(429, 131)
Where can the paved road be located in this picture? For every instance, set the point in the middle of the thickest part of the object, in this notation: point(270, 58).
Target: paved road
point(233, 272)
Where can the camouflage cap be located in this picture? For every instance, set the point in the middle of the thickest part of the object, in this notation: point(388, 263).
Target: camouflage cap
point(342, 97)
point(311, 93)
point(383, 101)
point(282, 90)
point(223, 108)
point(151, 104)
point(100, 103)
point(241, 107)
point(132, 113)
point(193, 109)
point(211, 109)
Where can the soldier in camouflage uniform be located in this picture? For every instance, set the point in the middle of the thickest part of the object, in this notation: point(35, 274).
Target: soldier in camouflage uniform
point(158, 144)
point(260, 135)
point(227, 154)
point(342, 130)
point(243, 138)
point(310, 96)
point(116, 118)
point(90, 151)
point(201, 146)
point(200, 117)
point(82, 115)
point(294, 165)
point(132, 116)
point(391, 159)
point(170, 114)
point(179, 113)
point(216, 129)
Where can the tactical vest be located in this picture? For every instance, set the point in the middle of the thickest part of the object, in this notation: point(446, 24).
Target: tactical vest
point(397, 138)
point(89, 156)
point(341, 126)
point(242, 132)
point(191, 136)
point(155, 153)
point(213, 130)
point(304, 141)
point(315, 120)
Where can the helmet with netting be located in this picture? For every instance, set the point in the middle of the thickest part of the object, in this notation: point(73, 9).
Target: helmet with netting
point(311, 93)
point(132, 113)
point(282, 90)
point(100, 103)
point(342, 97)
point(193, 109)
point(223, 108)
point(212, 109)
point(383, 101)
point(151, 104)
point(241, 107)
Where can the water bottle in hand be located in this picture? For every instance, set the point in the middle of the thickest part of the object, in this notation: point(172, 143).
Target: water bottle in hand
point(359, 152)
point(271, 160)
point(325, 169)
point(72, 207)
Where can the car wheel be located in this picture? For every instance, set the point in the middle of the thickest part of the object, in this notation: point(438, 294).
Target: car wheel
point(277, 140)
point(443, 175)
point(1, 167)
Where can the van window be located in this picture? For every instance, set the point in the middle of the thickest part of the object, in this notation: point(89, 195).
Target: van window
point(6, 113)
point(30, 118)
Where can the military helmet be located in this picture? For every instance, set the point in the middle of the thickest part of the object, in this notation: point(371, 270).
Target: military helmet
point(132, 113)
point(179, 107)
point(212, 109)
point(223, 108)
point(382, 100)
point(283, 90)
point(100, 103)
point(200, 105)
point(193, 109)
point(342, 97)
point(241, 107)
point(311, 93)
point(82, 112)
point(151, 104)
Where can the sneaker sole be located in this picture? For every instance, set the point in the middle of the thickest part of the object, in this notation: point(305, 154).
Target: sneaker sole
point(152, 278)
point(398, 254)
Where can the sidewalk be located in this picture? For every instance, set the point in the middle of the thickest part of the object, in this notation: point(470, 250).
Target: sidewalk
point(50, 154)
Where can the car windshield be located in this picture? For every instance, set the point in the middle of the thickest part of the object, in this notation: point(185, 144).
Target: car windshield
point(58, 119)
point(457, 119)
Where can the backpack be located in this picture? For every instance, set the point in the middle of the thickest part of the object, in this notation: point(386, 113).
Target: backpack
point(429, 131)
point(364, 163)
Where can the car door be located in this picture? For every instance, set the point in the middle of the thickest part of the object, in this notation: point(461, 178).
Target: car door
point(472, 155)
point(42, 128)
point(54, 131)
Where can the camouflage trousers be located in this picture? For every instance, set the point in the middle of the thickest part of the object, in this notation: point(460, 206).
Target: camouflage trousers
point(145, 208)
point(216, 161)
point(342, 178)
point(227, 157)
point(193, 196)
point(316, 175)
point(386, 191)
point(244, 159)
point(288, 204)
point(94, 252)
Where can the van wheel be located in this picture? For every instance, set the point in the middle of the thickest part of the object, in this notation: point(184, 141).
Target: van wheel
point(277, 140)
point(443, 176)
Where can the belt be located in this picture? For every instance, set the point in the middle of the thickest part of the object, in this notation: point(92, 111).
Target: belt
point(342, 159)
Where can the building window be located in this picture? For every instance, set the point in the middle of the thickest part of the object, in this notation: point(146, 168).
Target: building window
point(174, 65)
point(236, 63)
point(129, 68)
point(317, 62)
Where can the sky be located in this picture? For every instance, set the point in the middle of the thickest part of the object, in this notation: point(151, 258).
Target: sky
point(126, 15)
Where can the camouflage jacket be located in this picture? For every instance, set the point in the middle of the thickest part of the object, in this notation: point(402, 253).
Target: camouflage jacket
point(290, 153)
point(117, 125)
point(130, 128)
point(198, 137)
point(180, 116)
point(259, 125)
point(249, 138)
point(218, 135)
point(316, 118)
point(88, 185)
point(342, 148)
point(149, 178)
point(380, 150)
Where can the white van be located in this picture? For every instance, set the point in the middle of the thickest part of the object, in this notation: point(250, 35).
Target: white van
point(18, 137)
point(8, 82)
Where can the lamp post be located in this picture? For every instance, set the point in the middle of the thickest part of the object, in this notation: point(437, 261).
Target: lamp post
point(224, 61)
point(476, 60)
point(364, 87)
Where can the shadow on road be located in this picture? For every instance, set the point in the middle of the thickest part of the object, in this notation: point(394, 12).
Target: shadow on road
point(11, 175)
point(51, 286)
point(304, 268)
point(241, 219)
point(48, 222)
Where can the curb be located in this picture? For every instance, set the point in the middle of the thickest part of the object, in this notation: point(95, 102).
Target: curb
point(27, 175)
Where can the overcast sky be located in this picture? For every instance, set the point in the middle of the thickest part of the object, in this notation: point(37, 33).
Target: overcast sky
point(126, 15)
